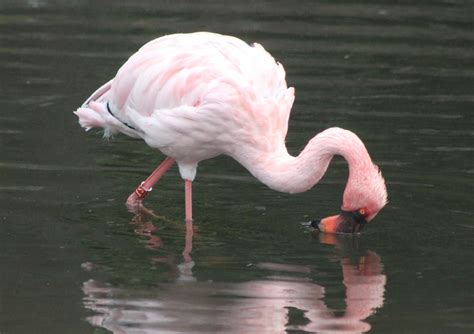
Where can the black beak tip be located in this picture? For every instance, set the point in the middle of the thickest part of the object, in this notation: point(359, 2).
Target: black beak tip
point(315, 224)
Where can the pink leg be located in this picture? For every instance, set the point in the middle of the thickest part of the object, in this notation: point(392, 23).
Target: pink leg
point(146, 186)
point(188, 200)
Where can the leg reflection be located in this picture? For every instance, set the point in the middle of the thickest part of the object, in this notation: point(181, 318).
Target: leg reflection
point(286, 299)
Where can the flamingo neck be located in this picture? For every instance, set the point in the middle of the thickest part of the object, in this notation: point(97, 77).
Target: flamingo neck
point(283, 172)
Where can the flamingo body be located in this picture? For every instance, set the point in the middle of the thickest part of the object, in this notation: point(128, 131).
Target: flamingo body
point(196, 96)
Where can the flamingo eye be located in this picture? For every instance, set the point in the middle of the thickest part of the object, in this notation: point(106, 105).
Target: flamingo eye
point(363, 212)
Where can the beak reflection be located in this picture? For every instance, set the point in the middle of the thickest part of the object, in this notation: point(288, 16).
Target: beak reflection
point(275, 297)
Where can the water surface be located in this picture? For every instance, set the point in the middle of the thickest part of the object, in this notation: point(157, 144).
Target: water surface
point(73, 260)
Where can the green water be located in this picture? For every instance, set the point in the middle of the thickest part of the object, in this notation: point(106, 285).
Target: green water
point(73, 260)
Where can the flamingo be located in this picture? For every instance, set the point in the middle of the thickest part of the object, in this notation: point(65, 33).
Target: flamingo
point(199, 95)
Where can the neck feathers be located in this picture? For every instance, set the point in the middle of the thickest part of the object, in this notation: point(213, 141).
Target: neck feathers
point(283, 172)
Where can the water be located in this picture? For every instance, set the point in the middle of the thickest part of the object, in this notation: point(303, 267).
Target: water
point(73, 260)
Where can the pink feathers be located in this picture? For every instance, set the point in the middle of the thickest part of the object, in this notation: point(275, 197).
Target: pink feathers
point(89, 118)
point(195, 96)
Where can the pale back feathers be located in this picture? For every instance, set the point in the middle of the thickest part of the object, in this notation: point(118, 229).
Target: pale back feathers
point(198, 95)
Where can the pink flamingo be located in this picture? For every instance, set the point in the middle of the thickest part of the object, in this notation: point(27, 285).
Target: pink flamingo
point(196, 96)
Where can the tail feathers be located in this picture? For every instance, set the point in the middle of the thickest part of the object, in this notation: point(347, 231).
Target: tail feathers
point(89, 117)
point(95, 115)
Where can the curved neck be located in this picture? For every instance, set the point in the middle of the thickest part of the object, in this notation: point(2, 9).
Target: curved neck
point(283, 172)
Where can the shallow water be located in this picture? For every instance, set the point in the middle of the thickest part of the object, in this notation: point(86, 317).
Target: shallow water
point(73, 260)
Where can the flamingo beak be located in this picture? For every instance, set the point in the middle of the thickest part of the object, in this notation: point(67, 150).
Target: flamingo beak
point(345, 222)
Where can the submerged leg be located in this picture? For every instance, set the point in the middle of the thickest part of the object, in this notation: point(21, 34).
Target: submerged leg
point(188, 200)
point(146, 186)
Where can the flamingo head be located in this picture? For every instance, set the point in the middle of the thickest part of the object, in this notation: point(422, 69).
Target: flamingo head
point(365, 195)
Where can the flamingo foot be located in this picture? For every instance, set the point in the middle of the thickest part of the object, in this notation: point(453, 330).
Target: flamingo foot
point(135, 205)
point(133, 200)
point(141, 212)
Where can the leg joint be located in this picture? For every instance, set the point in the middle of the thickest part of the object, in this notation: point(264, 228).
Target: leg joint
point(141, 191)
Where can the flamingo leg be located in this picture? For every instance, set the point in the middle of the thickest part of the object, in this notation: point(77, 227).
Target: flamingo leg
point(188, 200)
point(146, 186)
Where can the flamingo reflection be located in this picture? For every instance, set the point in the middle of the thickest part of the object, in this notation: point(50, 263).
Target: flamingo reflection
point(285, 300)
